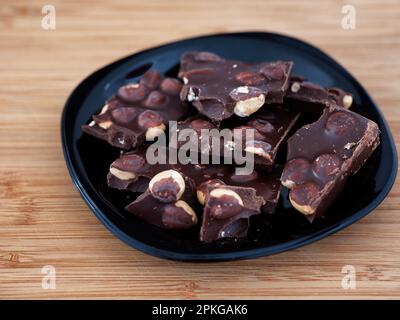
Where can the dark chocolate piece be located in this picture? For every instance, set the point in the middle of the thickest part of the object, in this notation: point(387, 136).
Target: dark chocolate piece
point(139, 112)
point(323, 154)
point(227, 211)
point(308, 96)
point(219, 88)
point(271, 127)
point(168, 203)
point(132, 172)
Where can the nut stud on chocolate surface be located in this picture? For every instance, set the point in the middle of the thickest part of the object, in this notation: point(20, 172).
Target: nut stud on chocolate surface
point(167, 186)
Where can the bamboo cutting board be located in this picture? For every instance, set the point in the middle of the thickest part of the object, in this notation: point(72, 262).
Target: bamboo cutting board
point(44, 221)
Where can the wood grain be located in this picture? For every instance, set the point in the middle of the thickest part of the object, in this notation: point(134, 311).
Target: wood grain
point(43, 220)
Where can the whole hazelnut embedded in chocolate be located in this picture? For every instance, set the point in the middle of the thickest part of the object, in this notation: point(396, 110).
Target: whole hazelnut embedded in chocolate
point(326, 166)
point(167, 186)
point(202, 189)
point(122, 175)
point(259, 148)
point(179, 215)
point(224, 203)
point(295, 172)
point(249, 78)
point(171, 86)
point(150, 79)
point(132, 92)
point(302, 195)
point(248, 100)
point(153, 122)
point(124, 115)
point(340, 123)
point(155, 99)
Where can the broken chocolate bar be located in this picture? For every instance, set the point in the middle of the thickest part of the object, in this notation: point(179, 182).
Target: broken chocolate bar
point(270, 127)
point(323, 154)
point(311, 97)
point(168, 203)
point(132, 172)
point(219, 88)
point(227, 212)
point(138, 112)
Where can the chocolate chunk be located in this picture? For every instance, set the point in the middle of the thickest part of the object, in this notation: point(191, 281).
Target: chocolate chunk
point(138, 112)
point(311, 97)
point(132, 172)
point(227, 212)
point(168, 203)
point(219, 88)
point(323, 154)
point(270, 128)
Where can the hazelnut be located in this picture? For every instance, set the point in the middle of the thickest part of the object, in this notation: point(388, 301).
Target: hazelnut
point(150, 79)
point(249, 78)
point(179, 215)
point(347, 101)
point(149, 119)
point(249, 106)
point(130, 162)
point(155, 99)
point(206, 56)
point(295, 87)
point(124, 115)
point(224, 203)
point(132, 92)
point(259, 148)
point(248, 100)
point(326, 166)
point(122, 175)
point(105, 124)
point(340, 123)
point(302, 195)
point(167, 186)
point(154, 132)
point(171, 86)
point(295, 172)
point(273, 71)
point(202, 189)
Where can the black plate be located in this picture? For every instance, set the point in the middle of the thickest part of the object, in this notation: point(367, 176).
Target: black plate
point(88, 159)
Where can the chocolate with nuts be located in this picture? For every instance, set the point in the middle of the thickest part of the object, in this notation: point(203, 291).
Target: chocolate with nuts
point(227, 212)
point(138, 112)
point(168, 203)
point(132, 172)
point(323, 154)
point(270, 127)
point(311, 97)
point(219, 88)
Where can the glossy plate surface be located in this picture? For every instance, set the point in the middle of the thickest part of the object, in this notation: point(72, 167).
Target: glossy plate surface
point(88, 159)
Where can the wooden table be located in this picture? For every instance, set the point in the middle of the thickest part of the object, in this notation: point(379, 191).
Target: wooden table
point(44, 221)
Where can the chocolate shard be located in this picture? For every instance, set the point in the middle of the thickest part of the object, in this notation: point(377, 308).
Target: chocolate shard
point(165, 206)
point(138, 112)
point(220, 88)
point(132, 172)
point(227, 212)
point(270, 128)
point(310, 97)
point(323, 154)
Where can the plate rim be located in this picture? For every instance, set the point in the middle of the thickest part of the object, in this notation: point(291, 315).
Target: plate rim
point(247, 253)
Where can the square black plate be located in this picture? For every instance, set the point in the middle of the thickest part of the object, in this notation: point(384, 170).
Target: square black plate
point(88, 159)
